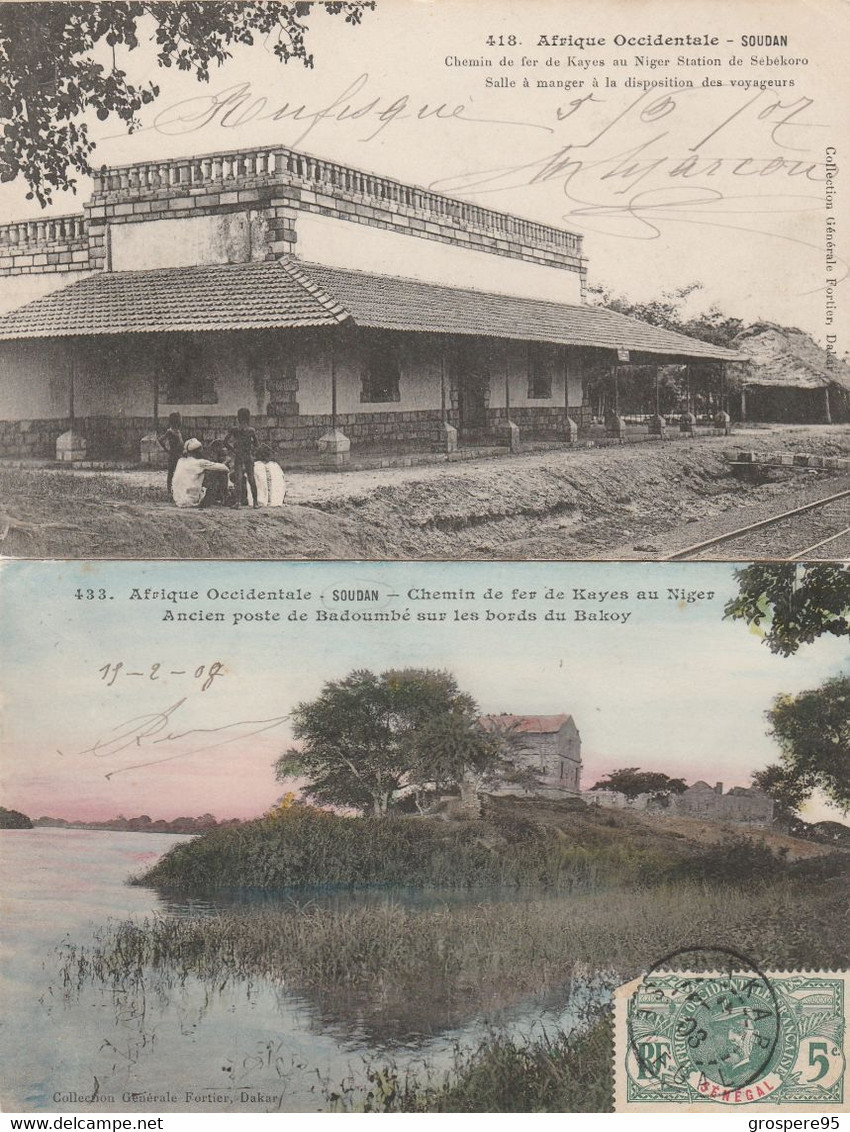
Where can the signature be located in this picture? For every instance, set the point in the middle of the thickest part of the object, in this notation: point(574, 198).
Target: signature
point(237, 105)
point(735, 160)
point(655, 163)
point(153, 728)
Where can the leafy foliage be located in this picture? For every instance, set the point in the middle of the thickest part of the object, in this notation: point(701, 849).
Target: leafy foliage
point(13, 819)
point(813, 730)
point(787, 791)
point(366, 736)
point(793, 604)
point(666, 311)
point(61, 61)
point(632, 781)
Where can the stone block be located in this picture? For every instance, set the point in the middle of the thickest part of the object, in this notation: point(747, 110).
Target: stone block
point(513, 436)
point(570, 430)
point(334, 447)
point(151, 453)
point(658, 426)
point(615, 427)
point(687, 424)
point(71, 446)
point(723, 422)
point(448, 437)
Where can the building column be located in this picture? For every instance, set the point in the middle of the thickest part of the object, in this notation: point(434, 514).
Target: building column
point(688, 420)
point(513, 430)
point(722, 420)
point(448, 433)
point(334, 446)
point(71, 446)
point(570, 426)
point(657, 423)
point(615, 425)
point(827, 415)
point(151, 452)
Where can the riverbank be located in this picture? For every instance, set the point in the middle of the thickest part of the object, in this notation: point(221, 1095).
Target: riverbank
point(569, 504)
point(514, 843)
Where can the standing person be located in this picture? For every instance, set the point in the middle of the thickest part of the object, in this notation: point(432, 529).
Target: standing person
point(172, 442)
point(242, 442)
point(195, 482)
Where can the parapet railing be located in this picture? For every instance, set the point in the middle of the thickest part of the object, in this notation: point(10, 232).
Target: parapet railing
point(52, 230)
point(246, 168)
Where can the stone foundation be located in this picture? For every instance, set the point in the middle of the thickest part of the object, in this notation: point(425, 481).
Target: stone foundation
point(120, 438)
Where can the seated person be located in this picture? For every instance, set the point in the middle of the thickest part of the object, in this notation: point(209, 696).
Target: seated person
point(269, 478)
point(194, 481)
point(221, 490)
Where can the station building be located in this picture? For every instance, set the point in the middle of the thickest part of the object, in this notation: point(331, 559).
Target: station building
point(341, 307)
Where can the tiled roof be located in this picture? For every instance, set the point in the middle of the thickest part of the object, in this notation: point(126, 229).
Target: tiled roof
point(390, 303)
point(289, 293)
point(244, 296)
point(526, 724)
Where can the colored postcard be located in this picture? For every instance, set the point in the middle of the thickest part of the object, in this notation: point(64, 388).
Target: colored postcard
point(417, 280)
point(387, 837)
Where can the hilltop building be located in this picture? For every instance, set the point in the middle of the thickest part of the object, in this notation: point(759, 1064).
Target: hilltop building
point(550, 747)
point(742, 805)
point(339, 306)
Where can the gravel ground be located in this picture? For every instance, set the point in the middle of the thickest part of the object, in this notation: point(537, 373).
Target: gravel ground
point(633, 501)
point(779, 541)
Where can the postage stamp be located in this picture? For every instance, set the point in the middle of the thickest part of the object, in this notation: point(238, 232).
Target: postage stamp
point(696, 1040)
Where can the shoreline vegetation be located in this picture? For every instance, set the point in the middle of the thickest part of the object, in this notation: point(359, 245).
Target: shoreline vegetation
point(553, 903)
point(514, 844)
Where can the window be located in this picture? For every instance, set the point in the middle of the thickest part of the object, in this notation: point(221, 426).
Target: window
point(541, 371)
point(381, 370)
point(184, 374)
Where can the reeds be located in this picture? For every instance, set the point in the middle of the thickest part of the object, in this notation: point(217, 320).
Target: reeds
point(307, 846)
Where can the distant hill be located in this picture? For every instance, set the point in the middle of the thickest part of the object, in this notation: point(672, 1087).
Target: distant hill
point(13, 819)
point(144, 824)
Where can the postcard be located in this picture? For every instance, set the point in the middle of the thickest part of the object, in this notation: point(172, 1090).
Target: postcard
point(421, 281)
point(424, 837)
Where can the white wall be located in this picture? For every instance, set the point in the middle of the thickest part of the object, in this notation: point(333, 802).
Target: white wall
point(187, 241)
point(341, 243)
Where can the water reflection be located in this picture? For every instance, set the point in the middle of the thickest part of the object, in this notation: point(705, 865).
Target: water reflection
point(166, 1043)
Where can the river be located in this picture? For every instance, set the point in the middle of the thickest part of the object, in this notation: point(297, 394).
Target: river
point(182, 1047)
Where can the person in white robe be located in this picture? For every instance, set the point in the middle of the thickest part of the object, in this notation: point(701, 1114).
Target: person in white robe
point(190, 482)
point(270, 480)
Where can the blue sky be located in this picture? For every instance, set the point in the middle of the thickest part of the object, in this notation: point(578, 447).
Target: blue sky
point(674, 687)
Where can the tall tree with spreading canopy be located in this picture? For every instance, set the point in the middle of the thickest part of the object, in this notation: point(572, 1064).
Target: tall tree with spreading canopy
point(813, 731)
point(793, 605)
point(62, 61)
point(367, 736)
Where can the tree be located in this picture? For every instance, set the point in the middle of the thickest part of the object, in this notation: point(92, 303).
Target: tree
point(813, 731)
point(61, 61)
point(632, 781)
point(787, 792)
point(13, 819)
point(666, 311)
point(793, 604)
point(366, 736)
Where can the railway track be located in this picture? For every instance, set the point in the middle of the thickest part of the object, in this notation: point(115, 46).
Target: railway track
point(819, 530)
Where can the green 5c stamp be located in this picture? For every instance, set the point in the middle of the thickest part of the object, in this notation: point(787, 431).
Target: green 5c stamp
point(702, 1040)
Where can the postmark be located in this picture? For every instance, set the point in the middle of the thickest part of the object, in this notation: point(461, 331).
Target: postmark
point(729, 1038)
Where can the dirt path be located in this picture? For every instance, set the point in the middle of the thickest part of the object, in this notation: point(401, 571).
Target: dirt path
point(631, 501)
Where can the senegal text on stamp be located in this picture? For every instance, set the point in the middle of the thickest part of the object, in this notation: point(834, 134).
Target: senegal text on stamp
point(691, 1040)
